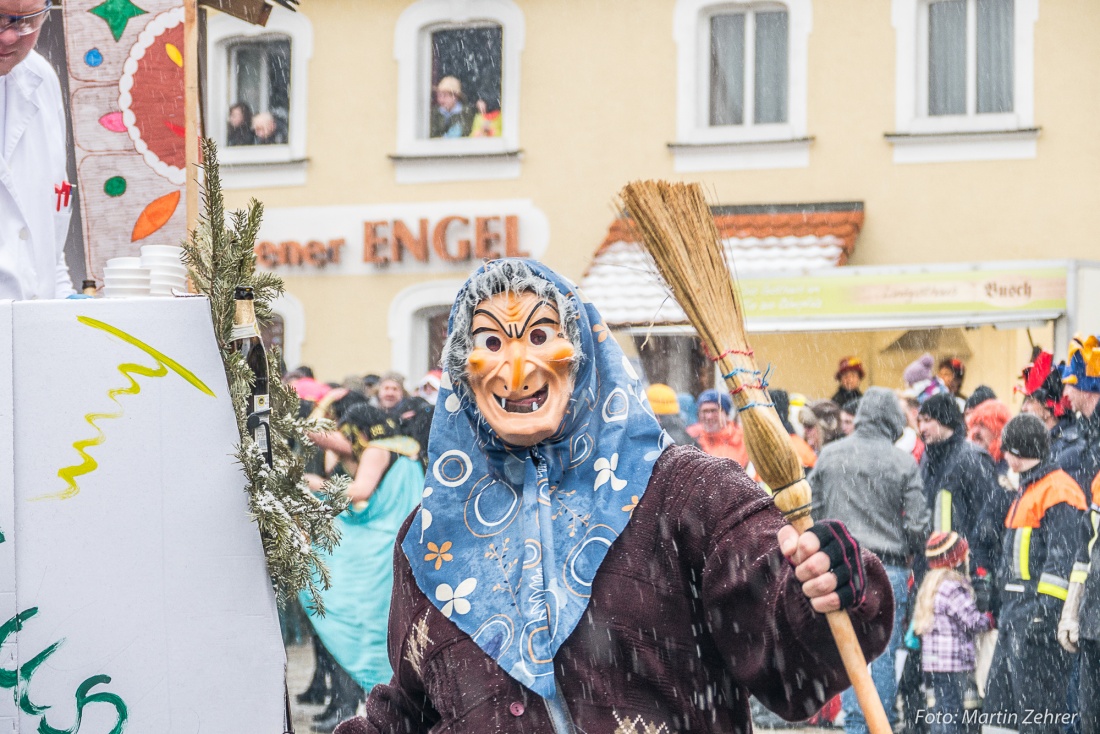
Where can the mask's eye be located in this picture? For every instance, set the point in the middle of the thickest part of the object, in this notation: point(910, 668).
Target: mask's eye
point(540, 335)
point(488, 341)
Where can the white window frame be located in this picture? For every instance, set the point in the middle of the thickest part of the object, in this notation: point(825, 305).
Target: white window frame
point(924, 138)
point(407, 322)
point(702, 147)
point(259, 166)
point(294, 328)
point(420, 159)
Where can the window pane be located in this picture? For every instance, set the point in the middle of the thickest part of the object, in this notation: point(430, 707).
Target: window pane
point(259, 113)
point(466, 82)
point(727, 69)
point(947, 58)
point(995, 55)
point(676, 361)
point(771, 67)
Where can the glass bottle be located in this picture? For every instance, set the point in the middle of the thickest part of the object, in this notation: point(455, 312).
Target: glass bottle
point(245, 340)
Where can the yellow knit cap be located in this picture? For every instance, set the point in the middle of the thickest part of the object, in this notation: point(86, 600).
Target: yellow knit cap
point(663, 399)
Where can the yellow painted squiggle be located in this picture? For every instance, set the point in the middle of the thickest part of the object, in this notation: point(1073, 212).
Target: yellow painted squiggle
point(128, 369)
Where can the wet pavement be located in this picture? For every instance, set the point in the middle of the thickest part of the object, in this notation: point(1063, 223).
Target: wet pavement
point(299, 671)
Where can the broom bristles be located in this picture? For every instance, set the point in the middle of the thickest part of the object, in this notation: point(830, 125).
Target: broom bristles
point(678, 231)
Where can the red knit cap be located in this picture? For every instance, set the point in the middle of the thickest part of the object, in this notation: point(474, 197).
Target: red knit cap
point(850, 364)
point(946, 550)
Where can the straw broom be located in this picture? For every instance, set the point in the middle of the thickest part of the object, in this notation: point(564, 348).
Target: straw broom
point(679, 233)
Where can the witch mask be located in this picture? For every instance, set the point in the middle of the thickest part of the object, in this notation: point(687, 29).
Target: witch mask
point(529, 364)
point(519, 367)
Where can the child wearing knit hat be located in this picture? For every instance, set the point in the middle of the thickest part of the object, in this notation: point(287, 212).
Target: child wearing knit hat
point(947, 620)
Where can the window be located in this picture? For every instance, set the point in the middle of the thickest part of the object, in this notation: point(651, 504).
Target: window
point(458, 90)
point(677, 361)
point(437, 335)
point(287, 329)
point(970, 57)
point(740, 91)
point(965, 80)
point(256, 97)
point(259, 90)
point(466, 78)
point(741, 85)
point(417, 325)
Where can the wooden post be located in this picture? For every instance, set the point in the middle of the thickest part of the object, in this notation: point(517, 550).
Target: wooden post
point(191, 101)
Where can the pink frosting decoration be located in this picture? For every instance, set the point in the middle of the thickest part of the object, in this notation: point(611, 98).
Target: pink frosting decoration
point(113, 122)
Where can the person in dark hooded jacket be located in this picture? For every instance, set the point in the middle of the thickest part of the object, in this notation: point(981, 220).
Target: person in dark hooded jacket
point(875, 489)
point(959, 478)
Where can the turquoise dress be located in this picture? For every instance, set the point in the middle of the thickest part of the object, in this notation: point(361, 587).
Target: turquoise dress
point(357, 607)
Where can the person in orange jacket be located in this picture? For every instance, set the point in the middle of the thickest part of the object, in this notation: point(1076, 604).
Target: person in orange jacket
point(716, 433)
point(1045, 525)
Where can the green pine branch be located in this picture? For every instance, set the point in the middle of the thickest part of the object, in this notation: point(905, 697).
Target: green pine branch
point(296, 525)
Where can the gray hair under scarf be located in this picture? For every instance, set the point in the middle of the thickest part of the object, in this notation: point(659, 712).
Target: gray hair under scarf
point(502, 276)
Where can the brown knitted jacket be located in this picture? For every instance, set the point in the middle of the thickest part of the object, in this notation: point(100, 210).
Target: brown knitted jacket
point(693, 608)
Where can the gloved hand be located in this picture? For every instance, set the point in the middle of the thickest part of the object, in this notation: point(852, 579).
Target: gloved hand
point(1043, 629)
point(911, 641)
point(845, 560)
point(1069, 627)
point(983, 591)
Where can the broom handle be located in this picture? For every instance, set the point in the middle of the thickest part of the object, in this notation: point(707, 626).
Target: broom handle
point(794, 499)
point(854, 663)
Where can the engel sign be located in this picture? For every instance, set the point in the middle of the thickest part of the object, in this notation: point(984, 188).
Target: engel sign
point(425, 237)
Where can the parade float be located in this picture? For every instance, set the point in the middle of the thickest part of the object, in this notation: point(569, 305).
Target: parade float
point(146, 535)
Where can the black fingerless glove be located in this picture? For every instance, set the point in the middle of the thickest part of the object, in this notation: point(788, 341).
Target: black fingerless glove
point(983, 593)
point(845, 560)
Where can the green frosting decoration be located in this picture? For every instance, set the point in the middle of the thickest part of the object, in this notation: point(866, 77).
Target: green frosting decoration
point(117, 13)
point(114, 186)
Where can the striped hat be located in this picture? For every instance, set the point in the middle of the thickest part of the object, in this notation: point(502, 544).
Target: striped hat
point(946, 550)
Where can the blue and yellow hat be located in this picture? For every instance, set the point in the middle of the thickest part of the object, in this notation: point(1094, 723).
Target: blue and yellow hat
point(1082, 368)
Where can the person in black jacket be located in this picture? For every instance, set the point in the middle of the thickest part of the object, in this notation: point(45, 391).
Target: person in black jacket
point(1046, 400)
point(959, 478)
point(849, 373)
point(1080, 624)
point(1026, 691)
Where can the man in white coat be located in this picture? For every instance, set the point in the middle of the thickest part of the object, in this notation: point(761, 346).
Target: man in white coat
point(35, 195)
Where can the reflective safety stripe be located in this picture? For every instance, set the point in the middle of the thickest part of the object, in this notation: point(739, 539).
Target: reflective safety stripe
point(1052, 585)
point(1021, 549)
point(1095, 517)
point(1079, 573)
point(941, 514)
point(1018, 588)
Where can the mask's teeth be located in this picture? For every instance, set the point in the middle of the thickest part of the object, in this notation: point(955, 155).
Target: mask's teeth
point(504, 403)
point(534, 407)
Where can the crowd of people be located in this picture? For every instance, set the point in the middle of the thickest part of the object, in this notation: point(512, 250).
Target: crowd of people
point(453, 116)
point(379, 442)
point(261, 128)
point(983, 523)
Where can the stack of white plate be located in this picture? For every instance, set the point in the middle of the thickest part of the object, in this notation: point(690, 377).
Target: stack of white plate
point(167, 273)
point(124, 277)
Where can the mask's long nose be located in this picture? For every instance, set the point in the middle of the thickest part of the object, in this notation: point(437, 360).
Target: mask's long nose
point(519, 355)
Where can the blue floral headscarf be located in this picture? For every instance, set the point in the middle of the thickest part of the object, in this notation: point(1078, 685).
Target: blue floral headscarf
point(508, 540)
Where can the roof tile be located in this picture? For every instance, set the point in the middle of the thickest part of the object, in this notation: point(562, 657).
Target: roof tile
point(622, 285)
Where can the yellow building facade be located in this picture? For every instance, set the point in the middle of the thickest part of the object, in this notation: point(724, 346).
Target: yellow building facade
point(964, 134)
